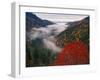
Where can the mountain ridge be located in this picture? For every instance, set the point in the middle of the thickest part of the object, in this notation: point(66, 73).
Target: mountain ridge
point(76, 31)
point(34, 21)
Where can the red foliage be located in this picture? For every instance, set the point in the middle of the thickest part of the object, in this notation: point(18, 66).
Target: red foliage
point(73, 53)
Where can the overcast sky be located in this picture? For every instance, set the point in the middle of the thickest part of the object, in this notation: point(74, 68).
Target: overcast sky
point(60, 17)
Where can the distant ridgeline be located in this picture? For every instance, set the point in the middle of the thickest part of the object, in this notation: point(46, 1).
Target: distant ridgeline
point(77, 31)
point(33, 21)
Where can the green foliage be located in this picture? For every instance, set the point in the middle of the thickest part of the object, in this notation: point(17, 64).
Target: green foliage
point(38, 55)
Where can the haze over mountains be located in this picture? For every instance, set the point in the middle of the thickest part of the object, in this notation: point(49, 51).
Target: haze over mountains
point(47, 38)
point(43, 29)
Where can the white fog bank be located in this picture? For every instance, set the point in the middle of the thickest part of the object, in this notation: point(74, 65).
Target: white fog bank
point(48, 35)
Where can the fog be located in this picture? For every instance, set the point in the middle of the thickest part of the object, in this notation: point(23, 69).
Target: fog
point(47, 34)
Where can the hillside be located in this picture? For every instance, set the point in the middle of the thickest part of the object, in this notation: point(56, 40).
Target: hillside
point(34, 21)
point(77, 31)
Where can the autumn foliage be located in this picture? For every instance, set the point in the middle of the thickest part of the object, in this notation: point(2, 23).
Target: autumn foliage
point(73, 53)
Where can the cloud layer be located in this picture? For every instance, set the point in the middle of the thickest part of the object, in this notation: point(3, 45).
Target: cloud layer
point(47, 34)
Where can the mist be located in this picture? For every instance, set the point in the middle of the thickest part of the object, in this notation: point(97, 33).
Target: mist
point(47, 34)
